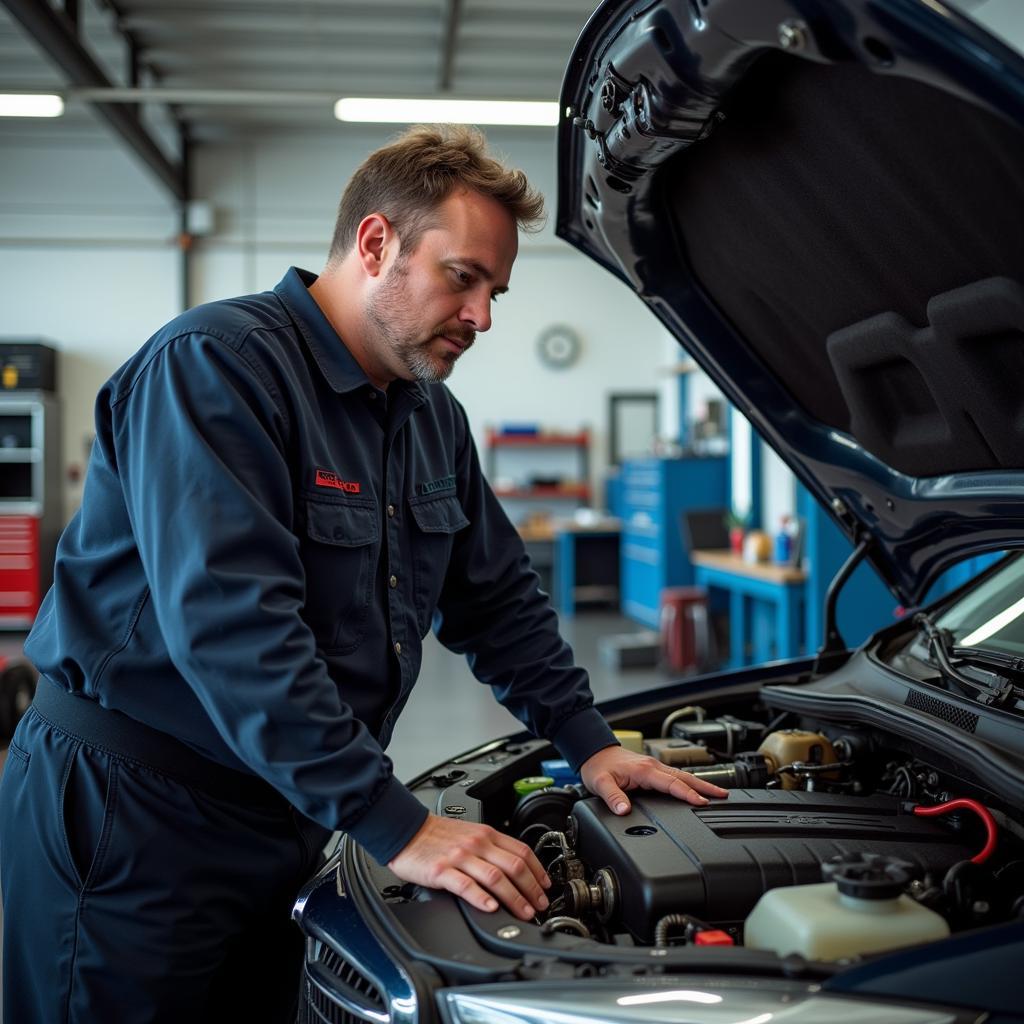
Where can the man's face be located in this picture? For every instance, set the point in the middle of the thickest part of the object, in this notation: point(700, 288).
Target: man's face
point(430, 303)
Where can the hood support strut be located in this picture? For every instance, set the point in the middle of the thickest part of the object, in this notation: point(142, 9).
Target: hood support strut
point(833, 652)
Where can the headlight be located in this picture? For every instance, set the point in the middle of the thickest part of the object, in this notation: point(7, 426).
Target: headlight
point(671, 1001)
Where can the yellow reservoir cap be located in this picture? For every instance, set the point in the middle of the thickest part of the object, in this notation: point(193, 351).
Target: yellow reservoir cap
point(631, 739)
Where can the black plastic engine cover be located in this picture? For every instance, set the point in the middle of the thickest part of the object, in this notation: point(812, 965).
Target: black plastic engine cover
point(715, 862)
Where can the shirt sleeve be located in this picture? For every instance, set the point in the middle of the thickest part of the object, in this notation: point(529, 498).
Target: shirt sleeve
point(493, 610)
point(200, 438)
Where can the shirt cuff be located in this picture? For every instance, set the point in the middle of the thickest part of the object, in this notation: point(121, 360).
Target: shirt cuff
point(392, 820)
point(582, 735)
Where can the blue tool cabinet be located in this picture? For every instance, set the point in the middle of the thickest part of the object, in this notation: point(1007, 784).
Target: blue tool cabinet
point(654, 495)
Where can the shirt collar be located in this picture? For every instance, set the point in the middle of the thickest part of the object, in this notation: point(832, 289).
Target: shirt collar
point(336, 363)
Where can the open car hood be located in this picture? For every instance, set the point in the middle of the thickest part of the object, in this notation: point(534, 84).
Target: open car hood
point(824, 201)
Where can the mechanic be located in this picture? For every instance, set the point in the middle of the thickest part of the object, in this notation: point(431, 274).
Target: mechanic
point(282, 499)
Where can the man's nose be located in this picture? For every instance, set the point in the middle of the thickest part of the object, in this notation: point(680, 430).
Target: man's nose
point(477, 313)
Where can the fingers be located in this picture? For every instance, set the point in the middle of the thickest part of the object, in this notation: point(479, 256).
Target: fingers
point(503, 867)
point(494, 872)
point(702, 785)
point(476, 862)
point(529, 858)
point(500, 884)
point(607, 788)
point(517, 887)
point(684, 786)
point(612, 770)
point(459, 883)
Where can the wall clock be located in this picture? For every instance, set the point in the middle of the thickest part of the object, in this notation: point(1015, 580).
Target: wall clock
point(558, 346)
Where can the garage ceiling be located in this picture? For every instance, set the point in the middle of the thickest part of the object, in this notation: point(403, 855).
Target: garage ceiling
point(215, 69)
point(305, 53)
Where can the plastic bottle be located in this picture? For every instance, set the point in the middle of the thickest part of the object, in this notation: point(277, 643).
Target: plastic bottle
point(862, 910)
point(782, 544)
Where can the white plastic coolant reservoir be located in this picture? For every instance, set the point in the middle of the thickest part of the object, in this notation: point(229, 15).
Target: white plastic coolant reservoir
point(862, 911)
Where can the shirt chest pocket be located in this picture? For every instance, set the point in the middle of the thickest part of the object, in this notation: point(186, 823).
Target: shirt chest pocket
point(339, 547)
point(436, 520)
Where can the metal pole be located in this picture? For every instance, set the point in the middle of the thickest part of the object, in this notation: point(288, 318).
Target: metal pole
point(185, 239)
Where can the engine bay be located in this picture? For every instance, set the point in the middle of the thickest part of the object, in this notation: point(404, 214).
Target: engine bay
point(885, 835)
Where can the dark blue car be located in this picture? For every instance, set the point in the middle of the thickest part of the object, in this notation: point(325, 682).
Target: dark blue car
point(824, 201)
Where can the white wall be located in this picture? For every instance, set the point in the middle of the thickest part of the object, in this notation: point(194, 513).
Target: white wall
point(88, 261)
point(778, 490)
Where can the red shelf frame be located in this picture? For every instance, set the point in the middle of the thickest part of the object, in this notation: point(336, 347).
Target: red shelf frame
point(496, 440)
point(579, 492)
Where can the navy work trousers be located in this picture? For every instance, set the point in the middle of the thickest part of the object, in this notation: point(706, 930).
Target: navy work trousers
point(131, 896)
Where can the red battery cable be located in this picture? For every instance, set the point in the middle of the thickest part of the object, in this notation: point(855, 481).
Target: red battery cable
point(964, 804)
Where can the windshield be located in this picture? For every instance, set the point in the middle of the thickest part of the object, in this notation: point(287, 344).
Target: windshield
point(990, 617)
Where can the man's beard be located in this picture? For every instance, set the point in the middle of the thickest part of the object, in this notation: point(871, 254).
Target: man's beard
point(387, 310)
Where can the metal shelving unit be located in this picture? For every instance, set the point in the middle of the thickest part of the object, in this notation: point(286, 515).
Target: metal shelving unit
point(30, 505)
point(577, 489)
point(534, 495)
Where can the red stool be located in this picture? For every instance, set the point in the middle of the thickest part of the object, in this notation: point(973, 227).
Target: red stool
point(685, 630)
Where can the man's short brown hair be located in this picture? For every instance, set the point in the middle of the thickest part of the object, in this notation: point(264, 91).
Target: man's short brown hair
point(410, 177)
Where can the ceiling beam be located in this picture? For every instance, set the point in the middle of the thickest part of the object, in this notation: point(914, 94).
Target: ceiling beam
point(191, 95)
point(52, 32)
point(132, 66)
point(452, 17)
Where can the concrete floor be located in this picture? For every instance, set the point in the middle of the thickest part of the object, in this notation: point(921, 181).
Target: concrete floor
point(450, 712)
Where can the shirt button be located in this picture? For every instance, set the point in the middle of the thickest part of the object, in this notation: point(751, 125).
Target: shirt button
point(393, 582)
point(371, 395)
point(398, 648)
point(391, 511)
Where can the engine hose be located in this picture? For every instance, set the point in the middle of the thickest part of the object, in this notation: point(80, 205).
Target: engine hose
point(553, 838)
point(690, 711)
point(965, 804)
point(565, 924)
point(669, 921)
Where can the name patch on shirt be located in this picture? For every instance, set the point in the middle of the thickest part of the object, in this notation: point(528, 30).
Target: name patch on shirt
point(325, 478)
point(440, 484)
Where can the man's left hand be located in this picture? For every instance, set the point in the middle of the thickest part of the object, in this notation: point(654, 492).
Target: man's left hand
point(611, 771)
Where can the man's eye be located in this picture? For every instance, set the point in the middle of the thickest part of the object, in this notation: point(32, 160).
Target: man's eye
point(495, 296)
point(461, 276)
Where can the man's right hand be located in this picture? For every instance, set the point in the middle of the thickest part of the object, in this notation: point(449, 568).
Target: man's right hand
point(475, 862)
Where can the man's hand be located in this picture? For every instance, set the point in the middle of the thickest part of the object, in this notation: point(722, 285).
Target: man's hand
point(611, 771)
point(475, 862)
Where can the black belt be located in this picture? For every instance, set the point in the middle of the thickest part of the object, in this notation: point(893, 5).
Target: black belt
point(117, 734)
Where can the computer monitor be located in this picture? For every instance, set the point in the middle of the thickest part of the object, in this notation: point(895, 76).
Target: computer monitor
point(704, 529)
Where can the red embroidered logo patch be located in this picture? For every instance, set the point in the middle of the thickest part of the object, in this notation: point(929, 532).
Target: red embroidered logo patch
point(324, 478)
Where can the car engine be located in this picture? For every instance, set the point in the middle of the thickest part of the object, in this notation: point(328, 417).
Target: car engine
point(717, 861)
point(806, 806)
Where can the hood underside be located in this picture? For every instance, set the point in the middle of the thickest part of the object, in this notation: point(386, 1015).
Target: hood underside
point(824, 202)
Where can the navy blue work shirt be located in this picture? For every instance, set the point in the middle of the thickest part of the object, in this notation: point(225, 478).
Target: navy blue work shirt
point(264, 540)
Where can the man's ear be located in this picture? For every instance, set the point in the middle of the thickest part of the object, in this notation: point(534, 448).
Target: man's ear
point(374, 237)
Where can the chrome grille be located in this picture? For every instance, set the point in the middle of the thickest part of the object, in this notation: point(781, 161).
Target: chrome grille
point(321, 1008)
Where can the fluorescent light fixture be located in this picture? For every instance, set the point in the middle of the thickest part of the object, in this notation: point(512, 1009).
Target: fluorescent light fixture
point(418, 111)
point(1000, 621)
point(14, 104)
